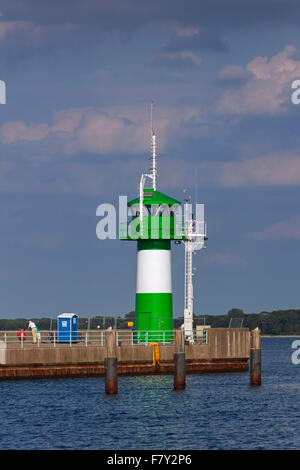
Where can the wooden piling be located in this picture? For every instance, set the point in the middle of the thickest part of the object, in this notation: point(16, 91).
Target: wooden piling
point(179, 361)
point(111, 363)
point(255, 357)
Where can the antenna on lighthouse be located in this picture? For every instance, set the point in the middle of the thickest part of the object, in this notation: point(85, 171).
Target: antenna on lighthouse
point(153, 146)
point(148, 175)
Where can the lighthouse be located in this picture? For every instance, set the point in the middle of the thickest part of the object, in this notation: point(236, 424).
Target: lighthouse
point(155, 222)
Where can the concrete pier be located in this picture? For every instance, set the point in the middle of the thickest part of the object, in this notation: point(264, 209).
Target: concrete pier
point(227, 350)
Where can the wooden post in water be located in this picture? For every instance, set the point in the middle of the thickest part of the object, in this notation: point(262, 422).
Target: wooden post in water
point(179, 361)
point(255, 358)
point(111, 363)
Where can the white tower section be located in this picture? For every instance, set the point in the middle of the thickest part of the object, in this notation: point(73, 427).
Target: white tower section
point(196, 233)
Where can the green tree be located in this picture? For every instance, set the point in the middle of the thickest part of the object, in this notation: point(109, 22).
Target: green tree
point(235, 313)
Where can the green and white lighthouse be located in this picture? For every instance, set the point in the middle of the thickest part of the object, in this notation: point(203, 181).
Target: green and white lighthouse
point(153, 225)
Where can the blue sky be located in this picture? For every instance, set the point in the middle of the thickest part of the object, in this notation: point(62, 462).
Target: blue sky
point(74, 133)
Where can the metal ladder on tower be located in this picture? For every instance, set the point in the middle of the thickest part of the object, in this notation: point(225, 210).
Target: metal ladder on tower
point(196, 236)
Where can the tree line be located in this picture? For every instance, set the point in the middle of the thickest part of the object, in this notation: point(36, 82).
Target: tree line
point(277, 322)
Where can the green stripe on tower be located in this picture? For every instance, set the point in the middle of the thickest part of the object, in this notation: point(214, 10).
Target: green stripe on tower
point(154, 245)
point(154, 314)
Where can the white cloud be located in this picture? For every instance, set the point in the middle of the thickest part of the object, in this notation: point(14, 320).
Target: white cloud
point(18, 130)
point(126, 131)
point(104, 134)
point(277, 169)
point(27, 28)
point(284, 230)
point(188, 56)
point(180, 57)
point(67, 120)
point(102, 131)
point(225, 260)
point(186, 31)
point(267, 89)
point(10, 27)
point(234, 71)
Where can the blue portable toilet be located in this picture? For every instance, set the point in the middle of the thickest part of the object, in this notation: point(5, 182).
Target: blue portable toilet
point(67, 327)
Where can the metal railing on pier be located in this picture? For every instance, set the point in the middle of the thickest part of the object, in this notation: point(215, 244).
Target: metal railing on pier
point(54, 338)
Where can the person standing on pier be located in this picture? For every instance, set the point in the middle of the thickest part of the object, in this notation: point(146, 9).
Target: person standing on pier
point(32, 325)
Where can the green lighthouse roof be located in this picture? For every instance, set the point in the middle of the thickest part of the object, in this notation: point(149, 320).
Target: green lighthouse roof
point(152, 197)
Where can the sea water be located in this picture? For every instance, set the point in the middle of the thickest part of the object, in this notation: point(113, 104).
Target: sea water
point(216, 411)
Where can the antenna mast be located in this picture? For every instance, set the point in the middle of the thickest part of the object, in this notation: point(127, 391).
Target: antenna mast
point(149, 175)
point(153, 145)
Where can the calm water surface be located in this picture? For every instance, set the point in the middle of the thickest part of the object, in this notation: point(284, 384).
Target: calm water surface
point(214, 412)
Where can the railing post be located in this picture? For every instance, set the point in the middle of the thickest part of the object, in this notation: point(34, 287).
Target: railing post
point(5, 339)
point(86, 339)
point(70, 337)
point(54, 343)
